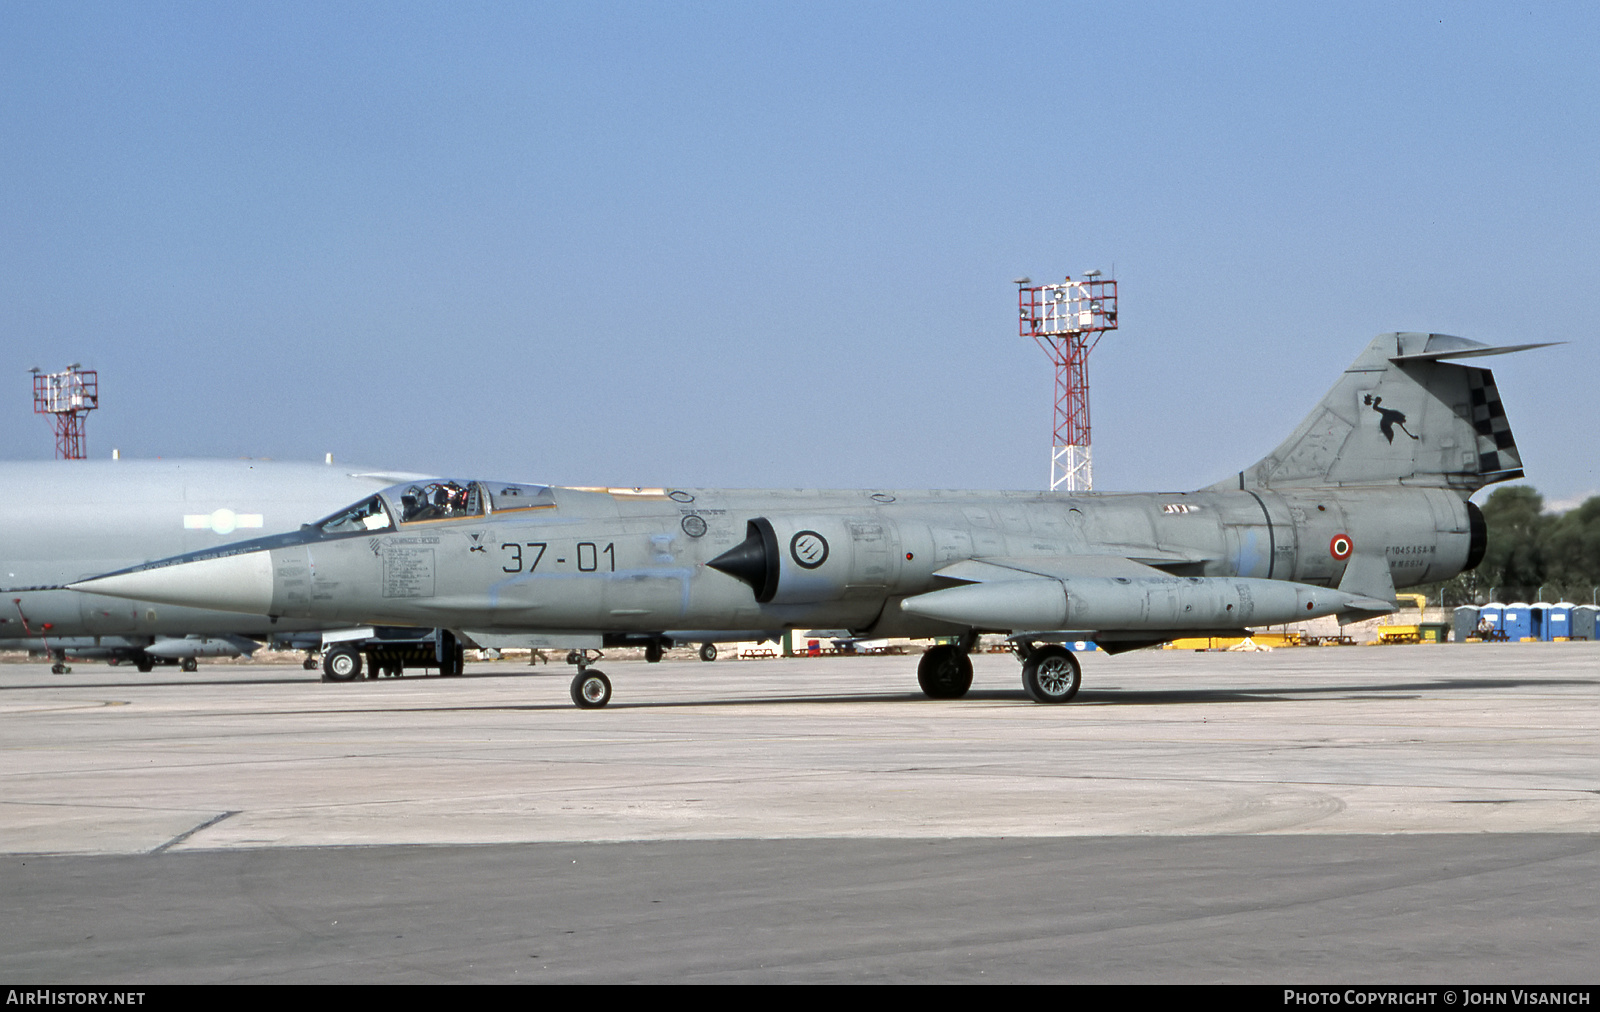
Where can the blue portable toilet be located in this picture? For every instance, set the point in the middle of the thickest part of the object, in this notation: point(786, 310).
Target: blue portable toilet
point(1517, 621)
point(1537, 613)
point(1464, 623)
point(1558, 621)
point(1584, 618)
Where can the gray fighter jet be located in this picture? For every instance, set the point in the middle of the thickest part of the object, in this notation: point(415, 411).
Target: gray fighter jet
point(62, 520)
point(1368, 494)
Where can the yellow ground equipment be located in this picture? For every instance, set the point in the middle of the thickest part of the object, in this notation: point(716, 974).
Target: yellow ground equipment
point(1418, 632)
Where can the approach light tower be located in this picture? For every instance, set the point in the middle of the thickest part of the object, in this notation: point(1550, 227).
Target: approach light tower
point(70, 396)
point(1066, 320)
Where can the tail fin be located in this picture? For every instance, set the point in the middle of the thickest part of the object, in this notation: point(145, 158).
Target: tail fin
point(1400, 415)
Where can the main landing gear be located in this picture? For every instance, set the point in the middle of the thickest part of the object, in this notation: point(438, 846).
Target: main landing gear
point(1050, 674)
point(591, 689)
point(945, 672)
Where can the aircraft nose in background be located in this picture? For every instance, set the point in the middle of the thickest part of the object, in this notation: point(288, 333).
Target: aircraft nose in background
point(241, 583)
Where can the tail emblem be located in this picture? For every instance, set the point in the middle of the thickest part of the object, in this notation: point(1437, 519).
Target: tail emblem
point(1389, 419)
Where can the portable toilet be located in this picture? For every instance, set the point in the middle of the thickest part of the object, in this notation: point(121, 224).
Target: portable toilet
point(1583, 622)
point(1517, 621)
point(1538, 611)
point(1465, 622)
point(1558, 621)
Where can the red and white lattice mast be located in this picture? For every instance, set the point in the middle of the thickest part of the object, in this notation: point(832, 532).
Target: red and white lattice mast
point(1066, 320)
point(69, 396)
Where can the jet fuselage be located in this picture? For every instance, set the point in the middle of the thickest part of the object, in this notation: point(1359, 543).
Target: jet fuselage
point(626, 560)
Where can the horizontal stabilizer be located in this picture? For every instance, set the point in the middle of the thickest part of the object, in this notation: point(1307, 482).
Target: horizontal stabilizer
point(1475, 352)
point(1448, 346)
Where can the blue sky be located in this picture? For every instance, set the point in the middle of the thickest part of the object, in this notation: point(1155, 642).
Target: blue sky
point(769, 244)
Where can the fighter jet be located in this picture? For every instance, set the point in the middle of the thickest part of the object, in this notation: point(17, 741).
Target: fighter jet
point(1368, 494)
point(62, 520)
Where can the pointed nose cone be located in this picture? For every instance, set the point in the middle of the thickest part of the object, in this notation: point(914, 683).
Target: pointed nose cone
point(241, 583)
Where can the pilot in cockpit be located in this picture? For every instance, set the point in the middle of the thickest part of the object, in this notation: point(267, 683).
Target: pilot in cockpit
point(436, 501)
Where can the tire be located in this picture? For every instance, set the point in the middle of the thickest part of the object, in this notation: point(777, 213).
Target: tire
point(652, 652)
point(1051, 675)
point(944, 673)
point(145, 665)
point(189, 664)
point(341, 664)
point(591, 689)
point(310, 664)
point(708, 651)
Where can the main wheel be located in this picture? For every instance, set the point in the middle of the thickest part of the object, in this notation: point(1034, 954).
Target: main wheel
point(1051, 675)
point(708, 651)
point(591, 689)
point(341, 664)
point(944, 673)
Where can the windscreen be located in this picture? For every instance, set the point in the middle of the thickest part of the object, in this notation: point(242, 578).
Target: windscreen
point(367, 515)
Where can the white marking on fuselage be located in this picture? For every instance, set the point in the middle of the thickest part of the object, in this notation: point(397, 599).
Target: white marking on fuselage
point(223, 521)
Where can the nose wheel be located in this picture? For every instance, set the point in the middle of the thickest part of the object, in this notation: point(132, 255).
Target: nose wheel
point(591, 689)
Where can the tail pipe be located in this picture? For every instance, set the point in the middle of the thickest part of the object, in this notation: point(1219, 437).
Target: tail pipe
point(1478, 542)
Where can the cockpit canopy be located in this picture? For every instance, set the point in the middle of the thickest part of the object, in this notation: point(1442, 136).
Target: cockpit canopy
point(442, 499)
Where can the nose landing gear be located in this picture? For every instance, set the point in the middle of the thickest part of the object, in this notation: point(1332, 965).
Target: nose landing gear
point(591, 689)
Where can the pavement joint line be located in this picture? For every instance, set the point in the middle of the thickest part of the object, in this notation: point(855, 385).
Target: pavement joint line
point(163, 848)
